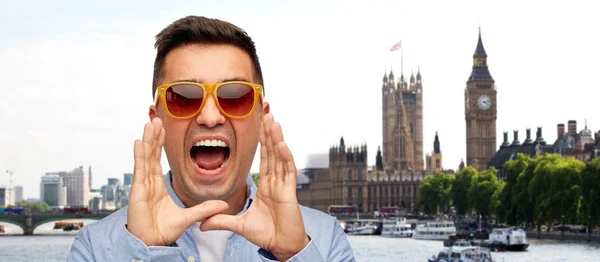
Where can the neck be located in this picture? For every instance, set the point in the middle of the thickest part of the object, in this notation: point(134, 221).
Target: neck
point(236, 200)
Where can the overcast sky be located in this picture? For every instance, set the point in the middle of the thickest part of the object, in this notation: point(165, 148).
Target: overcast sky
point(76, 76)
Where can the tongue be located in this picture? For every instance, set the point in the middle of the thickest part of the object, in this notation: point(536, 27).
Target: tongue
point(210, 158)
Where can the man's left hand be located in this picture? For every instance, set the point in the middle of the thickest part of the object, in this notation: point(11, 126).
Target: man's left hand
point(273, 221)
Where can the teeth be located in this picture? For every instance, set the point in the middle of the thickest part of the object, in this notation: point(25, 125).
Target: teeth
point(214, 143)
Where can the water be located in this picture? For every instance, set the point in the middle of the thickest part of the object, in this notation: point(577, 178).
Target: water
point(366, 248)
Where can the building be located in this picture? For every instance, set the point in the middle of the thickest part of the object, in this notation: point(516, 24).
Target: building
point(402, 123)
point(480, 111)
point(399, 167)
point(90, 177)
point(3, 196)
point(127, 178)
point(584, 145)
point(77, 184)
point(53, 191)
point(18, 193)
point(434, 161)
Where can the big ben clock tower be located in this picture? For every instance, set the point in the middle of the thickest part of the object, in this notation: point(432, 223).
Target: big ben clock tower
point(480, 111)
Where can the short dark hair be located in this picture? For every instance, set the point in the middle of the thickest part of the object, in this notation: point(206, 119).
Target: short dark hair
point(201, 30)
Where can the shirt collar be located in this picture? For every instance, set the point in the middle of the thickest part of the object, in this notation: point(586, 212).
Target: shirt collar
point(250, 191)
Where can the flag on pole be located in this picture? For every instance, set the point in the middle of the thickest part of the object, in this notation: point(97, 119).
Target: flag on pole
point(396, 46)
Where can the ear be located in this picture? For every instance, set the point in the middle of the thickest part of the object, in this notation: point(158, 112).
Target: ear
point(266, 108)
point(152, 112)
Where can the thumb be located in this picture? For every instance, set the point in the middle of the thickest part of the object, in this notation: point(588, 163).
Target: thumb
point(206, 209)
point(223, 222)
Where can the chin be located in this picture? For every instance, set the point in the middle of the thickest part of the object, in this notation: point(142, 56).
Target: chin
point(218, 184)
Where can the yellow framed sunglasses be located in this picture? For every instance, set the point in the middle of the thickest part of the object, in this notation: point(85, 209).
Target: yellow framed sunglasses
point(184, 100)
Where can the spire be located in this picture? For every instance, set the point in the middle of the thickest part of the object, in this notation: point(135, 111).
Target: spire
point(379, 159)
point(436, 144)
point(480, 51)
point(480, 71)
point(342, 142)
point(385, 76)
point(391, 76)
point(419, 73)
point(412, 77)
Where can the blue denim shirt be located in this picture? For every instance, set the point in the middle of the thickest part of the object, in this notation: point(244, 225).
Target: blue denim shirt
point(109, 240)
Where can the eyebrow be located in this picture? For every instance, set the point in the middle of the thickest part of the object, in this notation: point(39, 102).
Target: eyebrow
point(200, 81)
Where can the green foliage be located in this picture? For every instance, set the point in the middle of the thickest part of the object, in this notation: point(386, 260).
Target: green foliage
point(547, 188)
point(33, 206)
point(255, 178)
point(508, 203)
point(435, 193)
point(590, 193)
point(460, 189)
point(484, 186)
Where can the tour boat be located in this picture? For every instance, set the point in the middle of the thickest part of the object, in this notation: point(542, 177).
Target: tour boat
point(435, 230)
point(463, 252)
point(397, 227)
point(510, 238)
point(361, 228)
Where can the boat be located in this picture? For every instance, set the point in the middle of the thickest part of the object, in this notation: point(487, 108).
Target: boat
point(396, 227)
point(435, 230)
point(68, 225)
point(361, 228)
point(509, 238)
point(462, 252)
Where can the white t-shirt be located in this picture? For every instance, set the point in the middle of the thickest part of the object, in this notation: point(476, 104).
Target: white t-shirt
point(211, 244)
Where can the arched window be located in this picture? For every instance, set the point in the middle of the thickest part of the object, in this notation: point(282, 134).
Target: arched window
point(349, 174)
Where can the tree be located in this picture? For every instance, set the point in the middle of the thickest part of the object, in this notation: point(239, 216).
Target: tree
point(483, 188)
point(460, 189)
point(507, 209)
point(589, 212)
point(435, 193)
point(555, 188)
point(34, 206)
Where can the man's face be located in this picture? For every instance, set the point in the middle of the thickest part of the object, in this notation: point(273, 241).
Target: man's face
point(201, 173)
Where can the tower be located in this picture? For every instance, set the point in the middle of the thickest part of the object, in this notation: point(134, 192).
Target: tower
point(402, 106)
point(434, 161)
point(480, 111)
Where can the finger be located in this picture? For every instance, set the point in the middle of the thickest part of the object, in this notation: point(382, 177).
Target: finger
point(206, 209)
point(264, 159)
point(276, 138)
point(148, 140)
point(158, 173)
point(224, 222)
point(288, 162)
point(139, 165)
point(158, 152)
point(270, 151)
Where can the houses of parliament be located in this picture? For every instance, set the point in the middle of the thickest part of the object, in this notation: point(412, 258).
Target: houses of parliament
point(400, 164)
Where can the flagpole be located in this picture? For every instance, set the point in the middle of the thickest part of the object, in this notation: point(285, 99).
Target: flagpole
point(402, 61)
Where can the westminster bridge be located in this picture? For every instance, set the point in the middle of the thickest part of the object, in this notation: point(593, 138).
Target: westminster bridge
point(29, 221)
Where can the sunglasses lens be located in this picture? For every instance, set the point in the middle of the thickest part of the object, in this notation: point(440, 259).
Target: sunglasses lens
point(184, 100)
point(236, 99)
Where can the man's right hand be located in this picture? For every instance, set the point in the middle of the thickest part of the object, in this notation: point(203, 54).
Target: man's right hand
point(152, 216)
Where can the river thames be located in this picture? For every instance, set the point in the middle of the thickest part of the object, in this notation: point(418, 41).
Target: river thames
point(54, 245)
point(366, 248)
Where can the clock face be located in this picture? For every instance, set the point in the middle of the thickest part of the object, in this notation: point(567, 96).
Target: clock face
point(484, 102)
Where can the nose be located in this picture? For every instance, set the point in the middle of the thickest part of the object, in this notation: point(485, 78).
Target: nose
point(210, 116)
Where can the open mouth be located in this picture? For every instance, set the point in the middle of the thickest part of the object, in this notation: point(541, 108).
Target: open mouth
point(210, 154)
